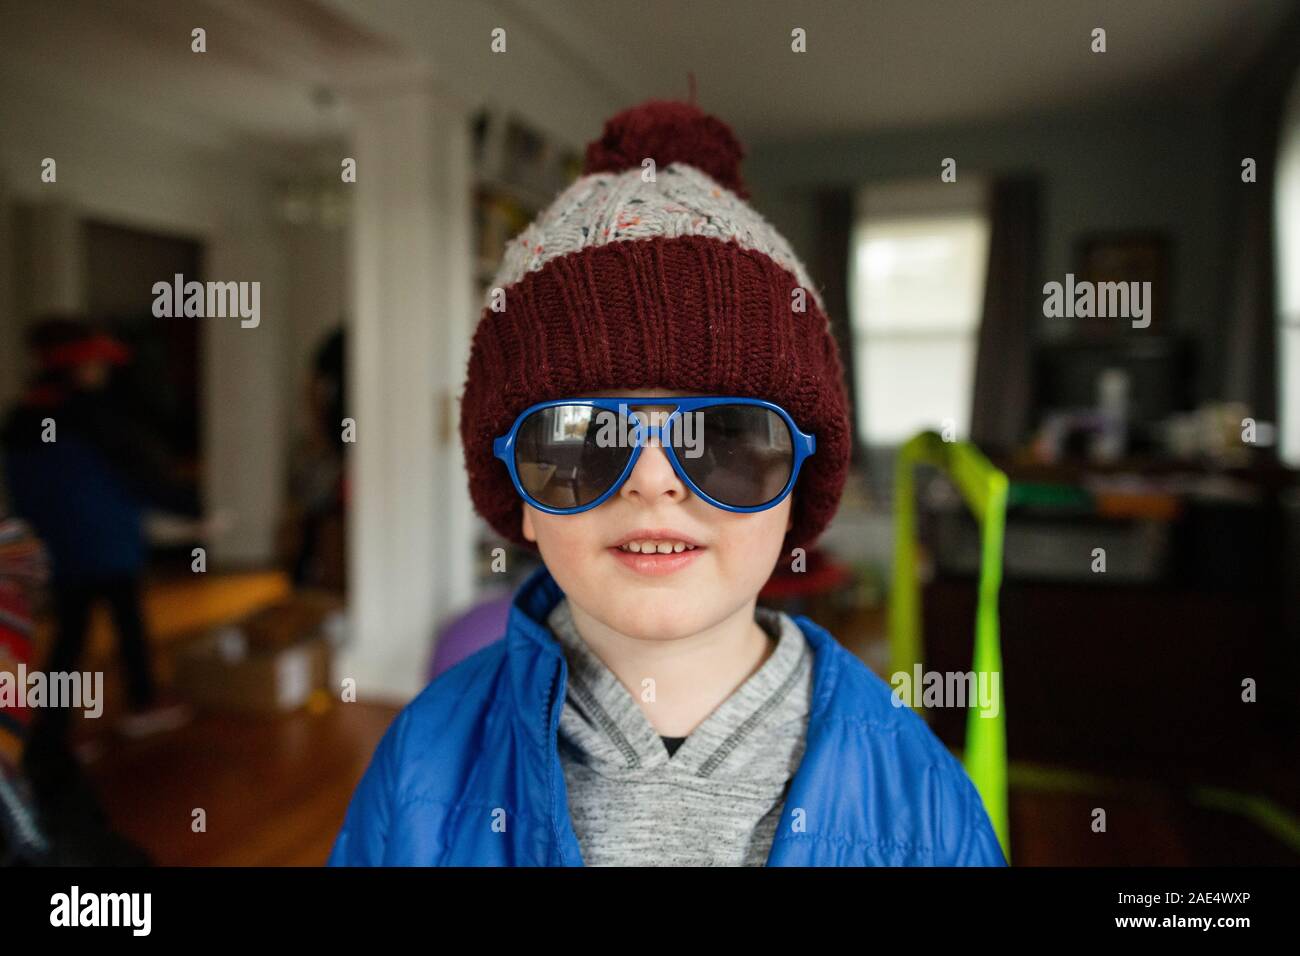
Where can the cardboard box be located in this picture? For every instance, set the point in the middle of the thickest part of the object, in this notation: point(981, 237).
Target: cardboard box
point(263, 682)
point(269, 663)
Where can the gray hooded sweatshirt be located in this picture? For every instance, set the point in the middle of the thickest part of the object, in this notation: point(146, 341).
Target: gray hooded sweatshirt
point(716, 800)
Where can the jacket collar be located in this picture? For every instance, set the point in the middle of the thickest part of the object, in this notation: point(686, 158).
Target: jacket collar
point(534, 658)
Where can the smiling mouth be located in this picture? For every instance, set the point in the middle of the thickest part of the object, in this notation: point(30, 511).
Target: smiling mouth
point(656, 547)
point(667, 557)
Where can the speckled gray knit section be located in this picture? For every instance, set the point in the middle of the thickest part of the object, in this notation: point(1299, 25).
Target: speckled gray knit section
point(620, 207)
point(718, 800)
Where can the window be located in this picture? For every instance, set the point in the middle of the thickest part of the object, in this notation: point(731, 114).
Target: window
point(920, 252)
point(1287, 216)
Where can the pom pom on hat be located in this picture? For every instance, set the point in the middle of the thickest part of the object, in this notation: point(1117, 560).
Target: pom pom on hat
point(669, 131)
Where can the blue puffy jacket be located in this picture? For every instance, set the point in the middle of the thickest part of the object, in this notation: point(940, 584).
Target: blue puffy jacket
point(468, 775)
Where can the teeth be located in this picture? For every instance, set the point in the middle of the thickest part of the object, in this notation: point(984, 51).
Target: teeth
point(656, 547)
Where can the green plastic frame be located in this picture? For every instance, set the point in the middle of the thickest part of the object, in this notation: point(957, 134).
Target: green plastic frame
point(984, 489)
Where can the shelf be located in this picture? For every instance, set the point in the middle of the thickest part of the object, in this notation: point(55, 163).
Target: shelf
point(519, 172)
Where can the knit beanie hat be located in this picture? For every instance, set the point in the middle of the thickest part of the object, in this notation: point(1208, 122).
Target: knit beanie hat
point(655, 274)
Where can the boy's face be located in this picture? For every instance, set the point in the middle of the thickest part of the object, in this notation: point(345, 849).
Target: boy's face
point(735, 557)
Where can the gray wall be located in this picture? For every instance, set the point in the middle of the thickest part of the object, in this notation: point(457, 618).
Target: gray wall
point(1156, 168)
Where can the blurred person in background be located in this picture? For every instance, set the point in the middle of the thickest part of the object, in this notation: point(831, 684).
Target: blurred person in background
point(82, 473)
point(314, 522)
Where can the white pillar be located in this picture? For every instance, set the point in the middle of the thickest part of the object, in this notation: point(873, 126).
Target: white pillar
point(246, 426)
point(410, 555)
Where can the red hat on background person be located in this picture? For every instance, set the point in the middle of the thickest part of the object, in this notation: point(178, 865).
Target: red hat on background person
point(70, 355)
point(668, 281)
point(63, 342)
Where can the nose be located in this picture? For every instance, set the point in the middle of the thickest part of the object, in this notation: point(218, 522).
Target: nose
point(653, 477)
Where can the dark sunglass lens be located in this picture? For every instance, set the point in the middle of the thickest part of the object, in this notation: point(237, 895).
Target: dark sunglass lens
point(741, 455)
point(567, 456)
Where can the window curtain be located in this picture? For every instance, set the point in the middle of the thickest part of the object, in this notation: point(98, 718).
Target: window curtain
point(834, 220)
point(1249, 320)
point(1012, 303)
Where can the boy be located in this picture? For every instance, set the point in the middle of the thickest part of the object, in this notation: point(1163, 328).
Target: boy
point(653, 377)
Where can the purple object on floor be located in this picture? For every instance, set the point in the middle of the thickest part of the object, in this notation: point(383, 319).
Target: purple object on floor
point(471, 631)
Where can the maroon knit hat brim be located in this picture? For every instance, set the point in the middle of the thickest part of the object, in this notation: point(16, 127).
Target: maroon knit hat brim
point(686, 313)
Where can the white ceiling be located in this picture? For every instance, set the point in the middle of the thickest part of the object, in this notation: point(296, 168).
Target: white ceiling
point(259, 80)
point(870, 63)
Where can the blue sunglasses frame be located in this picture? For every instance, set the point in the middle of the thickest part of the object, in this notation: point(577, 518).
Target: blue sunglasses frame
point(804, 444)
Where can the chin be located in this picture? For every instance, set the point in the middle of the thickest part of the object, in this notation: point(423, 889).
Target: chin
point(637, 620)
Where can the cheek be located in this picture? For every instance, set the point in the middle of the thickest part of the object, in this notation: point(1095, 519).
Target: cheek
point(562, 537)
point(569, 546)
point(750, 546)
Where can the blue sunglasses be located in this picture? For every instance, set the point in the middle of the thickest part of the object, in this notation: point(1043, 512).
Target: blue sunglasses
point(568, 455)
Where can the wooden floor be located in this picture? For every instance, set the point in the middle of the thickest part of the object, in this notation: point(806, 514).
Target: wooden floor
point(274, 790)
